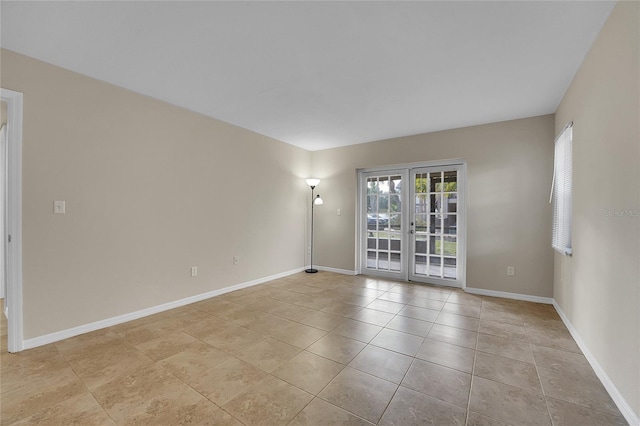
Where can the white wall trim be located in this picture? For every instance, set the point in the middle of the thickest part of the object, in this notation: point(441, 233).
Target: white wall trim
point(617, 397)
point(109, 322)
point(336, 270)
point(14, 219)
point(507, 295)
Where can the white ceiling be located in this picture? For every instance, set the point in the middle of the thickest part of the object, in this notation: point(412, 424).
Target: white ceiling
point(322, 74)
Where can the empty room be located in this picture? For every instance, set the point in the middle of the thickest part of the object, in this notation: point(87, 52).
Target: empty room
point(320, 213)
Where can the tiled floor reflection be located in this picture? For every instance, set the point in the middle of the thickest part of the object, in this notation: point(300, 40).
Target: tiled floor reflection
point(315, 350)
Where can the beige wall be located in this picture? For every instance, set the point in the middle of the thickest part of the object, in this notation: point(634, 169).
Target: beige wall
point(510, 165)
point(599, 286)
point(151, 190)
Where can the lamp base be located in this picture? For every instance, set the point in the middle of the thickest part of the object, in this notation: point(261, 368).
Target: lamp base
point(311, 271)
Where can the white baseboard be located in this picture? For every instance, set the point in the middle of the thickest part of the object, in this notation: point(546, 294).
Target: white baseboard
point(109, 322)
point(507, 295)
point(337, 271)
point(617, 397)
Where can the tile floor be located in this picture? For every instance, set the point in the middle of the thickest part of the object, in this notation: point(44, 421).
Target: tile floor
point(316, 350)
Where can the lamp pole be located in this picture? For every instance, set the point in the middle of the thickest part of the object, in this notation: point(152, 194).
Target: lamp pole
point(314, 200)
point(311, 270)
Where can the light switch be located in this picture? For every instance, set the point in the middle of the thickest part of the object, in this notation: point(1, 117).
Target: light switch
point(59, 207)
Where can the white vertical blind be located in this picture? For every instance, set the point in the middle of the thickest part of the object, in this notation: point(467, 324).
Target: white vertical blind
point(561, 191)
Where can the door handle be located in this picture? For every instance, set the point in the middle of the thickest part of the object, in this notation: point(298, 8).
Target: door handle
point(411, 232)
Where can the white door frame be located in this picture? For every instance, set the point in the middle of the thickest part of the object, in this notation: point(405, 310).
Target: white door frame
point(360, 226)
point(14, 219)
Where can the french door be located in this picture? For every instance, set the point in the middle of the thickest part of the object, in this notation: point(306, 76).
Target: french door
point(412, 224)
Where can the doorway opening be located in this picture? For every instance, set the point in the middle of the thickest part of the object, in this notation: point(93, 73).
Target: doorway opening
point(12, 223)
point(412, 223)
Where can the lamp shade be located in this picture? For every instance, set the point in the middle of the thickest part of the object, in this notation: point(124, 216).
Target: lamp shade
point(313, 182)
point(318, 201)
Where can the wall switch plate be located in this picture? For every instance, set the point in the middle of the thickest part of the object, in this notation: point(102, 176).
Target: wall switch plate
point(194, 271)
point(339, 212)
point(511, 270)
point(59, 207)
point(236, 260)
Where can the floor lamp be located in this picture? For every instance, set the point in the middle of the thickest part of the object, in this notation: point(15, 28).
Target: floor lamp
point(315, 201)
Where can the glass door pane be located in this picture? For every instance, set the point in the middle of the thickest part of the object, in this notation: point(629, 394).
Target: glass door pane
point(434, 254)
point(385, 223)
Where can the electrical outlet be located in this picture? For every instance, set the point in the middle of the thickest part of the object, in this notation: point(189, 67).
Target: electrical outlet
point(59, 207)
point(339, 212)
point(194, 271)
point(236, 260)
point(511, 270)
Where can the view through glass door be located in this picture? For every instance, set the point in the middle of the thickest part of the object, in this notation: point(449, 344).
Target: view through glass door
point(414, 224)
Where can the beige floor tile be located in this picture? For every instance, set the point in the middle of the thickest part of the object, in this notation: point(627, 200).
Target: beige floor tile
point(386, 306)
point(359, 393)
point(308, 371)
point(149, 392)
point(87, 345)
point(508, 371)
point(288, 310)
point(501, 317)
point(321, 413)
point(434, 293)
point(79, 410)
point(520, 351)
point(298, 335)
point(421, 302)
point(34, 365)
point(504, 330)
point(233, 339)
point(410, 325)
point(559, 360)
point(508, 403)
point(342, 309)
point(202, 413)
point(337, 348)
point(114, 360)
point(397, 341)
point(269, 402)
point(579, 387)
point(458, 321)
point(396, 297)
point(374, 317)
point(439, 382)
point(475, 419)
point(60, 385)
point(447, 355)
point(167, 345)
point(411, 408)
point(147, 332)
point(267, 324)
point(419, 313)
point(568, 414)
point(158, 369)
point(357, 330)
point(382, 363)
point(217, 307)
point(269, 354)
point(185, 318)
point(206, 327)
point(453, 335)
point(465, 299)
point(323, 321)
point(212, 373)
point(465, 310)
point(553, 338)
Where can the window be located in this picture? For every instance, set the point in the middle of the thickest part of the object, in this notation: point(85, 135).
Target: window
point(561, 191)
